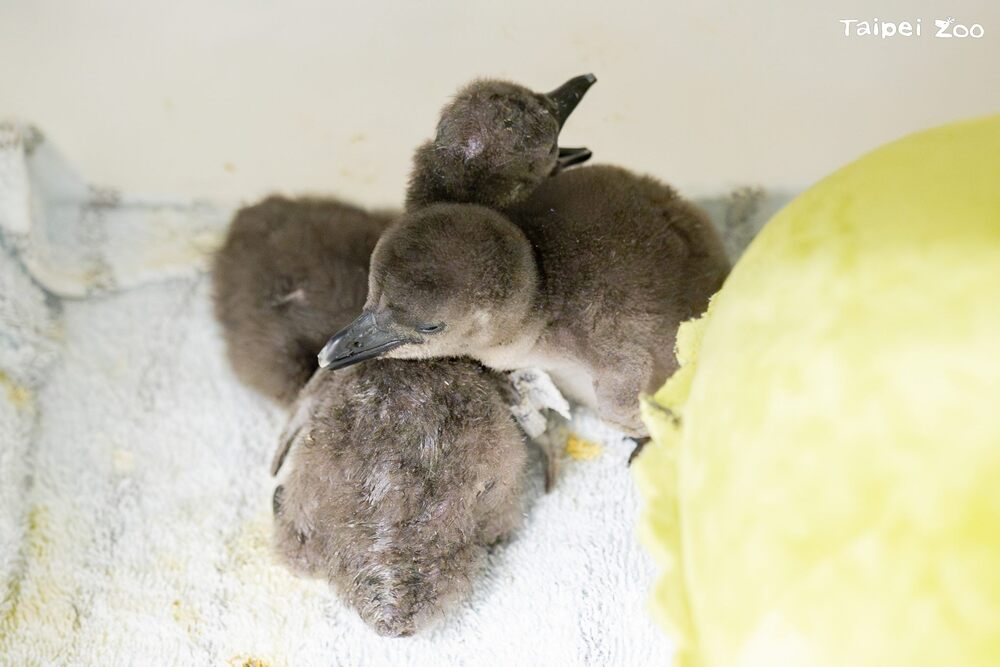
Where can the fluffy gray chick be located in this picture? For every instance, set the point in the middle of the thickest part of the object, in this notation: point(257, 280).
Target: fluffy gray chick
point(495, 142)
point(289, 272)
point(407, 471)
point(588, 279)
point(403, 473)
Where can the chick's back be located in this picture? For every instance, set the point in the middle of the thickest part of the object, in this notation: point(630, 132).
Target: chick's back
point(403, 475)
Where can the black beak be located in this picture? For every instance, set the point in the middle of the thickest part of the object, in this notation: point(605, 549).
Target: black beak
point(571, 156)
point(568, 95)
point(360, 340)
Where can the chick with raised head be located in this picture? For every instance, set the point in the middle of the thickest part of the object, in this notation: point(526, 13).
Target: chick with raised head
point(496, 141)
point(587, 278)
point(289, 272)
point(403, 474)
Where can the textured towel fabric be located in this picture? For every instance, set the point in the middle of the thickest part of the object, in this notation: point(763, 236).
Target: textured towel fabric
point(134, 488)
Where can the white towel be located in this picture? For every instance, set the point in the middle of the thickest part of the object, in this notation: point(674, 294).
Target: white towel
point(134, 489)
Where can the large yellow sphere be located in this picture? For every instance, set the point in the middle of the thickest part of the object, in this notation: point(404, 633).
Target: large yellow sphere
point(824, 482)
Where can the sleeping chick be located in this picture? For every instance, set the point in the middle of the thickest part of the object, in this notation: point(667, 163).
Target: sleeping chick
point(403, 474)
point(289, 272)
point(407, 470)
point(588, 279)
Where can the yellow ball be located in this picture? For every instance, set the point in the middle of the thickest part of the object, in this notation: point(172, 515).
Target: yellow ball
point(823, 488)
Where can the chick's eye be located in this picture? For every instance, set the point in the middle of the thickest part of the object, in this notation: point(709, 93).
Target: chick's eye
point(430, 328)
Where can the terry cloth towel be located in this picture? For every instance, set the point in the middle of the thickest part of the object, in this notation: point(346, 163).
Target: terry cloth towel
point(134, 489)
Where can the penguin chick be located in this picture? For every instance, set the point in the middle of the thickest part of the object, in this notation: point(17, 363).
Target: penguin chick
point(495, 142)
point(403, 474)
point(289, 273)
point(587, 279)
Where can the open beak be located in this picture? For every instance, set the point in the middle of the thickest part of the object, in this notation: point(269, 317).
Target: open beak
point(571, 156)
point(362, 339)
point(568, 95)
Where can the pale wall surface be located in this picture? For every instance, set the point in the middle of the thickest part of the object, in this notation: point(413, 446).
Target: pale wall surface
point(235, 99)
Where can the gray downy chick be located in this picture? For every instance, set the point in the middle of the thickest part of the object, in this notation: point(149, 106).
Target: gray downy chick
point(289, 272)
point(588, 278)
point(403, 474)
point(407, 471)
point(495, 142)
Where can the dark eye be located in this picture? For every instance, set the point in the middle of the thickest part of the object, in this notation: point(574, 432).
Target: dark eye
point(430, 328)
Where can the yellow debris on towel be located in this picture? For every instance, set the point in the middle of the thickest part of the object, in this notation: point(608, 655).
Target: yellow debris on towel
point(581, 450)
point(186, 617)
point(18, 395)
point(42, 603)
point(246, 661)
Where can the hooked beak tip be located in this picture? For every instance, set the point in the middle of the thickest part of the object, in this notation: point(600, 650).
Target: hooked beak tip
point(568, 95)
point(327, 354)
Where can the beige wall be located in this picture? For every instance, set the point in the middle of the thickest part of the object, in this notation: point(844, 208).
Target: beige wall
point(235, 99)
